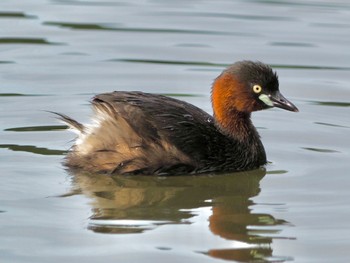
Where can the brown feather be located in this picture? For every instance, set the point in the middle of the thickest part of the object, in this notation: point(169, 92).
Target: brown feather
point(111, 144)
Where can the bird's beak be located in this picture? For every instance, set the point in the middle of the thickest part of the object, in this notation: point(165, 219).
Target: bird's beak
point(279, 101)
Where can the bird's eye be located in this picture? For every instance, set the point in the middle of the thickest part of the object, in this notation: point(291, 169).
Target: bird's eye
point(257, 88)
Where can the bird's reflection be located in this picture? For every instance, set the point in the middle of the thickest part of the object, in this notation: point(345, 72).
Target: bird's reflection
point(163, 200)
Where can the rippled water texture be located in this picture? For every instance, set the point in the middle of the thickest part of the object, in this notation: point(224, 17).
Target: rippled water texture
point(56, 54)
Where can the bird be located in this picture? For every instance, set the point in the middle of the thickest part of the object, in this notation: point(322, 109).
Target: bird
point(137, 133)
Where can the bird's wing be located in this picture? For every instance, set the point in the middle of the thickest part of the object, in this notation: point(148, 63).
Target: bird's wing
point(145, 133)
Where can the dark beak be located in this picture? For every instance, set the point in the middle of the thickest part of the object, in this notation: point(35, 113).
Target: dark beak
point(280, 101)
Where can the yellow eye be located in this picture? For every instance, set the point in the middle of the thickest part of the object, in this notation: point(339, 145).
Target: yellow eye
point(257, 88)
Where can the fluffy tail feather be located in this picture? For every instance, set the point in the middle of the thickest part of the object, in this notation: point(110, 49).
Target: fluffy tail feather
point(72, 124)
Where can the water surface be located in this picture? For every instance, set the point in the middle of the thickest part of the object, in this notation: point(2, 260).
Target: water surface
point(55, 55)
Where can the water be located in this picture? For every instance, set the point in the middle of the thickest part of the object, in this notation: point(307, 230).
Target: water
point(55, 55)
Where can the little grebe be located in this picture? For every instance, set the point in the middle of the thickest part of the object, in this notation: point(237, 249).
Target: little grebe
point(141, 133)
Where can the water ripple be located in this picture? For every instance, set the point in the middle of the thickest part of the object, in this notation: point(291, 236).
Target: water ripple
point(211, 64)
point(32, 149)
point(20, 95)
point(89, 26)
point(291, 44)
point(16, 15)
point(323, 4)
point(331, 103)
point(38, 128)
point(90, 3)
point(307, 67)
point(277, 172)
point(30, 41)
point(224, 15)
point(171, 62)
point(331, 125)
point(320, 150)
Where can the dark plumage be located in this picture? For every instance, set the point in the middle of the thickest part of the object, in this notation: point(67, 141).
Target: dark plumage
point(141, 133)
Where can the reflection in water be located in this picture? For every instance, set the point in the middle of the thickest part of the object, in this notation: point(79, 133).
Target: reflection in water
point(133, 204)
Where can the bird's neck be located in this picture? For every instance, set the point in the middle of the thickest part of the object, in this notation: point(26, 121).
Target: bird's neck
point(238, 126)
point(232, 108)
point(243, 144)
